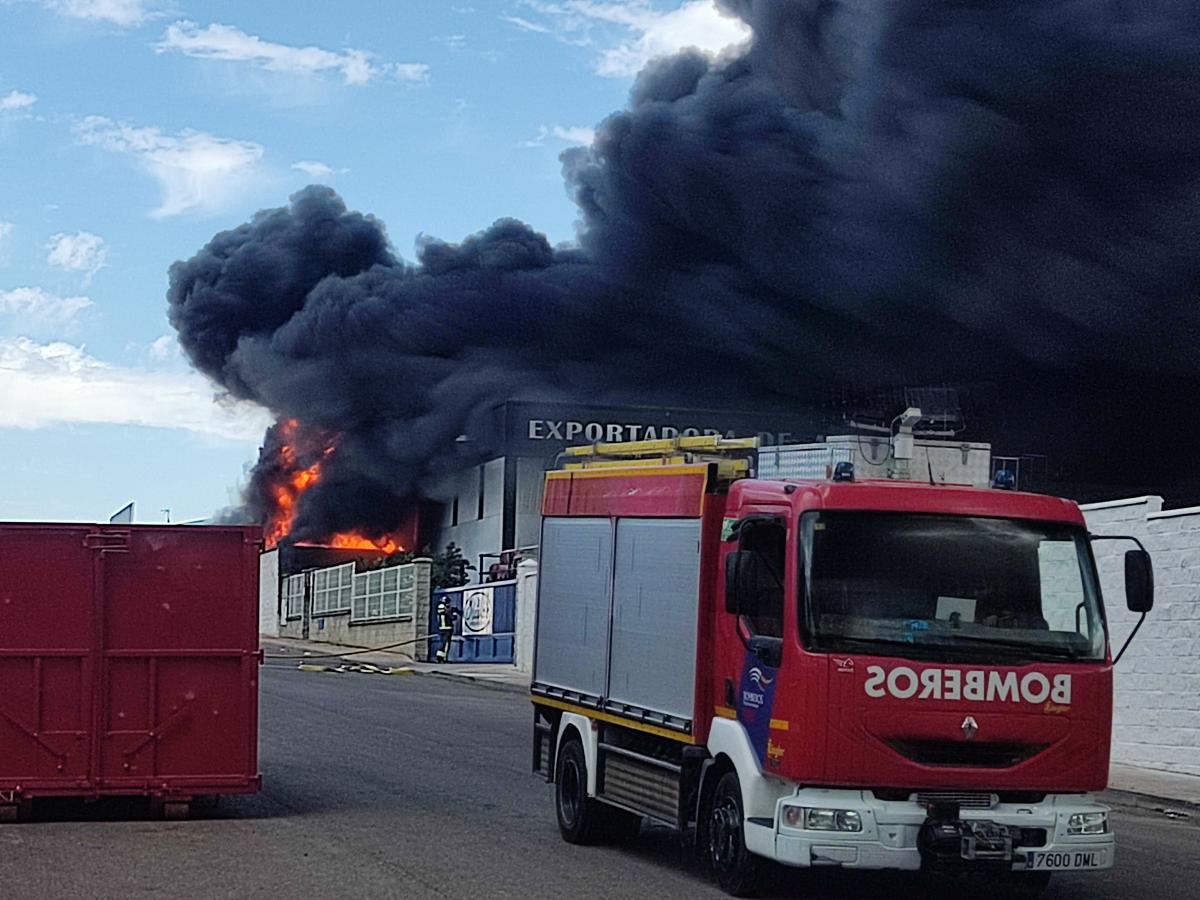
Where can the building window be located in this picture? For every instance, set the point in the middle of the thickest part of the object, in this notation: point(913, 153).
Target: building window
point(384, 594)
point(332, 589)
point(293, 596)
point(479, 494)
point(454, 511)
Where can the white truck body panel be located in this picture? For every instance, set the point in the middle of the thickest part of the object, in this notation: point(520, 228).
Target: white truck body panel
point(575, 585)
point(656, 589)
point(618, 612)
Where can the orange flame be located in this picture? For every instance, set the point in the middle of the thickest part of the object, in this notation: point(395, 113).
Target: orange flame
point(352, 540)
point(295, 480)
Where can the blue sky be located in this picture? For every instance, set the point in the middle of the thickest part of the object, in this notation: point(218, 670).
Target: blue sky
point(132, 130)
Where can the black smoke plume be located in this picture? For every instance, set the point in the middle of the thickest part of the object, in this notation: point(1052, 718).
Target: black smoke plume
point(996, 195)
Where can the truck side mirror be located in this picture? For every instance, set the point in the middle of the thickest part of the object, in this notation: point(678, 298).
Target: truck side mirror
point(1139, 581)
point(745, 577)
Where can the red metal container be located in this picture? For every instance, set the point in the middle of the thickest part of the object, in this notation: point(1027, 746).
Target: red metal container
point(128, 661)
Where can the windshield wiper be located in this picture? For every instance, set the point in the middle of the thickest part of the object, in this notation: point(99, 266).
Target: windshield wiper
point(846, 639)
point(827, 643)
point(1026, 646)
point(1013, 651)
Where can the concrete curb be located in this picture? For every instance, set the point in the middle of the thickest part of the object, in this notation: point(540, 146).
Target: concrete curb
point(1183, 810)
point(494, 684)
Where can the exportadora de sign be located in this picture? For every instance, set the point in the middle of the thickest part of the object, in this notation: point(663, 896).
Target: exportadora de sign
point(613, 432)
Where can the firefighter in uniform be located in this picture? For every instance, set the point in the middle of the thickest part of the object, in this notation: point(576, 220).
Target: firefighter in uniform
point(446, 617)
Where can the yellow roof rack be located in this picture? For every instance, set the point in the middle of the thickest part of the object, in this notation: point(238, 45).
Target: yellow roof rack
point(664, 447)
point(732, 456)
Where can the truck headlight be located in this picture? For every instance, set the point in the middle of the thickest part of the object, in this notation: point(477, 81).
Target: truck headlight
point(1088, 823)
point(822, 819)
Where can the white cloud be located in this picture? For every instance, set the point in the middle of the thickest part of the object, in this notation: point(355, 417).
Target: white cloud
point(60, 384)
point(539, 139)
point(572, 134)
point(163, 348)
point(315, 169)
point(630, 34)
point(6, 228)
point(125, 13)
point(416, 72)
point(455, 43)
point(230, 44)
point(80, 252)
point(196, 171)
point(17, 100)
point(525, 24)
point(34, 308)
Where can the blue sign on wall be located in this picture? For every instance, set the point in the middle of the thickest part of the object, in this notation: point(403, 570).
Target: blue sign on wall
point(487, 618)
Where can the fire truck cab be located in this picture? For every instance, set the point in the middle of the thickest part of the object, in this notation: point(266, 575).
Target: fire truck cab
point(858, 674)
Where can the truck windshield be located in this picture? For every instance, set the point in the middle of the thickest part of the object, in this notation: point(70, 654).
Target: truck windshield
point(940, 586)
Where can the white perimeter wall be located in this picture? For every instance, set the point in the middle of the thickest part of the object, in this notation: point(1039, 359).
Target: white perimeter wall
point(526, 617)
point(268, 593)
point(1156, 709)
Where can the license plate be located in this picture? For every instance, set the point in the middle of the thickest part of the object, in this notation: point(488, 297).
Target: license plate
point(1057, 860)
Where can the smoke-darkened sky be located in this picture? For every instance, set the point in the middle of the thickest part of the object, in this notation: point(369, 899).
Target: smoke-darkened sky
point(976, 193)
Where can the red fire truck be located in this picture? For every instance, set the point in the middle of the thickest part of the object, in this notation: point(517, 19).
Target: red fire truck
point(839, 672)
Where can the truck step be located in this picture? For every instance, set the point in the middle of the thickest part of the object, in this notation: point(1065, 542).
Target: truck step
point(646, 788)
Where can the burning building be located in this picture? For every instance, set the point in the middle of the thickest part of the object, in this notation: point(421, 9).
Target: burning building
point(999, 197)
point(291, 462)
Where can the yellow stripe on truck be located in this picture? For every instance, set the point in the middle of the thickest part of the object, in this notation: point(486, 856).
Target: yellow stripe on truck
point(614, 720)
point(726, 712)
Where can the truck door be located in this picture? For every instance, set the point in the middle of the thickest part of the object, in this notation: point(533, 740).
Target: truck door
point(754, 606)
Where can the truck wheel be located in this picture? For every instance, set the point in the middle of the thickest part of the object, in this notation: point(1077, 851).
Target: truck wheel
point(735, 868)
point(578, 814)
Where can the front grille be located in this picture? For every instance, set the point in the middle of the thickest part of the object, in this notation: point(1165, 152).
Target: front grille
point(1031, 797)
point(961, 799)
point(971, 754)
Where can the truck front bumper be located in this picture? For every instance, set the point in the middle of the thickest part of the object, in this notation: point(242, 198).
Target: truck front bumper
point(896, 834)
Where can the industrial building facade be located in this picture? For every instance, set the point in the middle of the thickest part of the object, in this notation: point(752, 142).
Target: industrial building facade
point(493, 505)
point(346, 597)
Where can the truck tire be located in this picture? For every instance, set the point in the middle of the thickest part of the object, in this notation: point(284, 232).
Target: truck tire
point(735, 868)
point(579, 816)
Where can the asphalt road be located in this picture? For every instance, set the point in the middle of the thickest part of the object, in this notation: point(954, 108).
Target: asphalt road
point(389, 787)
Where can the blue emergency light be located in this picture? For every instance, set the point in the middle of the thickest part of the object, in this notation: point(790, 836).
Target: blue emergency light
point(1004, 480)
